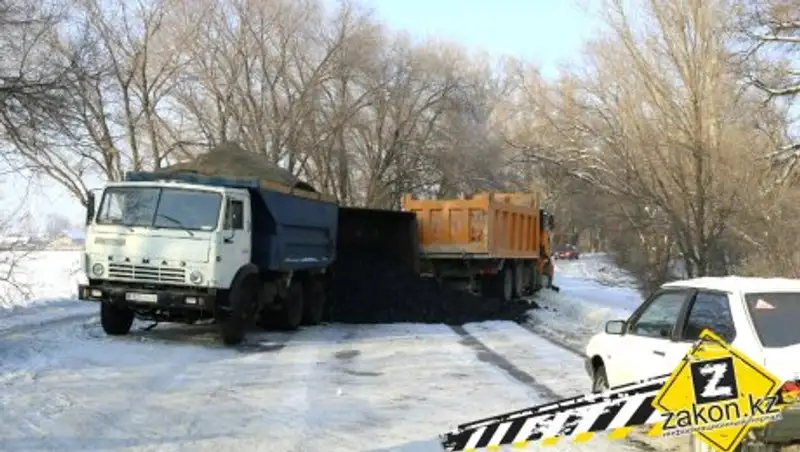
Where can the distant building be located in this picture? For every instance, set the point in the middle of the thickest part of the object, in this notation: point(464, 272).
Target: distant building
point(69, 239)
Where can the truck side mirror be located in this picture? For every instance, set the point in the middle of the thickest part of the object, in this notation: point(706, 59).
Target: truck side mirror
point(89, 207)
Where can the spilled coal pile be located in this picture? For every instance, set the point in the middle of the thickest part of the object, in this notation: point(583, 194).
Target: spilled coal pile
point(368, 288)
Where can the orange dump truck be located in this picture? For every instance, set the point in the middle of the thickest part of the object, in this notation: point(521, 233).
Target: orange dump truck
point(496, 244)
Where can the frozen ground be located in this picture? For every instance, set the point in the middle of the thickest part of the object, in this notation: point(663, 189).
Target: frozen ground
point(65, 386)
point(593, 291)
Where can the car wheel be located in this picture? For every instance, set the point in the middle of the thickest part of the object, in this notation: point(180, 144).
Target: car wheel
point(600, 380)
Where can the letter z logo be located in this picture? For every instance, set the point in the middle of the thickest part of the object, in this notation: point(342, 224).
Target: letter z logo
point(714, 380)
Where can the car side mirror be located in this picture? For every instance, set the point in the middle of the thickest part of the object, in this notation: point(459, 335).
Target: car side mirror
point(615, 327)
point(89, 207)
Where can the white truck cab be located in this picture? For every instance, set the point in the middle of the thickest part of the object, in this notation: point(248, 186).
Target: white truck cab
point(184, 247)
point(164, 251)
point(169, 233)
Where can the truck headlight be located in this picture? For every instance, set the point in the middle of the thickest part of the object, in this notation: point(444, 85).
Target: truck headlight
point(98, 269)
point(195, 277)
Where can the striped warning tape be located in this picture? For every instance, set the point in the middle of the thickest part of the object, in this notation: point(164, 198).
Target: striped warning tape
point(616, 411)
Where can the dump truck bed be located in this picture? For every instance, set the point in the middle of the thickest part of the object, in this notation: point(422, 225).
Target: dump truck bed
point(485, 226)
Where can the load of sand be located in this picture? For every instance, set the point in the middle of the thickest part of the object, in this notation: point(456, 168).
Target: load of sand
point(230, 159)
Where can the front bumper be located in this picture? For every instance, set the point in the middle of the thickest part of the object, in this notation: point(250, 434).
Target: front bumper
point(784, 431)
point(178, 298)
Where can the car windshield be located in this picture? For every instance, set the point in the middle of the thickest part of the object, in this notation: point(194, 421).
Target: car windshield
point(169, 208)
point(775, 316)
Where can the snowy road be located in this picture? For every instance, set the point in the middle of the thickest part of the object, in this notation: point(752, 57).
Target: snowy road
point(593, 291)
point(65, 386)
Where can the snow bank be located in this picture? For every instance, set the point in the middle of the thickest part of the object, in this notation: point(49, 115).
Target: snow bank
point(593, 291)
point(39, 277)
point(598, 267)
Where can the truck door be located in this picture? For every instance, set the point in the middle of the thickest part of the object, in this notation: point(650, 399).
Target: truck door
point(234, 249)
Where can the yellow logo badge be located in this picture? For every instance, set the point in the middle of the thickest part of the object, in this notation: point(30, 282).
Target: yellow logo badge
point(718, 394)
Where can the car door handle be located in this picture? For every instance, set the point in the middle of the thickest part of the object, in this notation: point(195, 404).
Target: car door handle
point(659, 353)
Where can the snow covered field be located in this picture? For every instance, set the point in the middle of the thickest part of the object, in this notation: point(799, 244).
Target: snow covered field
point(48, 275)
point(64, 385)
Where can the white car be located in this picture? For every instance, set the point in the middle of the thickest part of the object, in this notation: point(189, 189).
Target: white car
point(758, 316)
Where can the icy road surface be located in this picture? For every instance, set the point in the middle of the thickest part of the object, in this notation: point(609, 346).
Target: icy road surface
point(65, 386)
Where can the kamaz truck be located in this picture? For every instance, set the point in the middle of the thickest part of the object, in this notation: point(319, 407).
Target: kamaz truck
point(183, 247)
point(232, 240)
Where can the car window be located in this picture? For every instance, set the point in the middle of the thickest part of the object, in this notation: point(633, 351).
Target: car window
point(709, 310)
point(775, 317)
point(661, 315)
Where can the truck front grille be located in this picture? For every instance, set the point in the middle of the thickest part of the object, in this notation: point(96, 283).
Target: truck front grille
point(146, 273)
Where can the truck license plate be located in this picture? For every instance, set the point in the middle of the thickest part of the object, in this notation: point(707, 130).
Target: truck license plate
point(141, 297)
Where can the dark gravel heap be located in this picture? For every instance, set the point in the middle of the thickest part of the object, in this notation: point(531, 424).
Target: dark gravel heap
point(369, 289)
point(232, 160)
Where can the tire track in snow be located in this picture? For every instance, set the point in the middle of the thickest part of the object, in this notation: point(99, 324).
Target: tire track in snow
point(164, 390)
point(488, 355)
point(44, 319)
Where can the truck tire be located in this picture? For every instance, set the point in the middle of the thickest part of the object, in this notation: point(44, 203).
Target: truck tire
point(523, 279)
point(116, 320)
point(291, 311)
point(235, 320)
point(506, 277)
point(314, 298)
point(500, 285)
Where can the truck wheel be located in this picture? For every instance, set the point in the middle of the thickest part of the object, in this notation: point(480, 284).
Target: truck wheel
point(522, 280)
point(116, 320)
point(291, 311)
point(314, 298)
point(507, 279)
point(241, 301)
point(500, 285)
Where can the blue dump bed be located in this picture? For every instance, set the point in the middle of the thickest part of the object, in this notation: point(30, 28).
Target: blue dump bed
point(293, 229)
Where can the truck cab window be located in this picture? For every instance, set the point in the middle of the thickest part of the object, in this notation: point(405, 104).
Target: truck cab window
point(235, 218)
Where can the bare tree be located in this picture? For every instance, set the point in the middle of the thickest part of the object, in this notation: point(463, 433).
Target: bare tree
point(769, 35)
point(34, 86)
point(15, 248)
point(123, 67)
point(657, 125)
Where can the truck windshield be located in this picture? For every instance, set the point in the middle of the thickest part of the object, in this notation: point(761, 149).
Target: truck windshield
point(168, 208)
point(775, 316)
